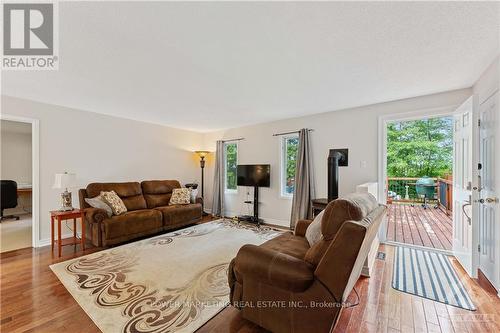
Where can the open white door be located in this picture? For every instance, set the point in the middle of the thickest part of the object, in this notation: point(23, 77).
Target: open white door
point(489, 187)
point(462, 185)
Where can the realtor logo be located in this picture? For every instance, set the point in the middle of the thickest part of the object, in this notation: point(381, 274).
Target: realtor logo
point(29, 36)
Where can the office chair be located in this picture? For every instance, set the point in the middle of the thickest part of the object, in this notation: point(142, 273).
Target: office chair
point(8, 198)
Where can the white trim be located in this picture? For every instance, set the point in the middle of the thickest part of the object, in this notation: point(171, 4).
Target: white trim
point(413, 246)
point(47, 241)
point(35, 169)
point(382, 147)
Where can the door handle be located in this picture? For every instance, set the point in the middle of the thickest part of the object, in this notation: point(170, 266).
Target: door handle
point(467, 203)
point(488, 200)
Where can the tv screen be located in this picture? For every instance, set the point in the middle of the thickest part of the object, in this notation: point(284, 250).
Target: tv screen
point(254, 175)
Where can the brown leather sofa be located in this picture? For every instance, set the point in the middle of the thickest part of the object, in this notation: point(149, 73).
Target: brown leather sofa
point(148, 211)
point(284, 285)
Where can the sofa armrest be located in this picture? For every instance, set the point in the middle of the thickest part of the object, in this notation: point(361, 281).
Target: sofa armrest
point(95, 215)
point(301, 227)
point(274, 268)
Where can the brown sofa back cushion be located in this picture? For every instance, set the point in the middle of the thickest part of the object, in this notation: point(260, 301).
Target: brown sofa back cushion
point(130, 193)
point(158, 192)
point(352, 207)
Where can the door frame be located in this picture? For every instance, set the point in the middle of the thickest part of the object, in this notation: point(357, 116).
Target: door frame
point(383, 121)
point(35, 170)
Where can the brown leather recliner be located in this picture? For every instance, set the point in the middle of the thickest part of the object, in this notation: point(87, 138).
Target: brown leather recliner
point(284, 285)
point(148, 211)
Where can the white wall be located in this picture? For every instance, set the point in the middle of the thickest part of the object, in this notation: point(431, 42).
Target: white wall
point(355, 129)
point(102, 148)
point(15, 141)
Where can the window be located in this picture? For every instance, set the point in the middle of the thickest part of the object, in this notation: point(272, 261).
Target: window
point(230, 161)
point(289, 147)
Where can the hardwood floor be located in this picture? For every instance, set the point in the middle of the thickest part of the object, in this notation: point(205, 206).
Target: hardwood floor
point(33, 300)
point(418, 226)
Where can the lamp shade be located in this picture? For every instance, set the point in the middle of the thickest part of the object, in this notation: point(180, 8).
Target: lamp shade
point(202, 153)
point(64, 180)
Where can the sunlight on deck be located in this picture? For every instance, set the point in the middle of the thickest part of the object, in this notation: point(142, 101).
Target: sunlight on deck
point(429, 227)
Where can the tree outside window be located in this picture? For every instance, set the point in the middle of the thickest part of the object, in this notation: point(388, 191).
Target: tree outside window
point(420, 148)
point(290, 145)
point(231, 161)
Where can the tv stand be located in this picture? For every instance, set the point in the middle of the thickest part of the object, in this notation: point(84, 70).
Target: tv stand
point(255, 217)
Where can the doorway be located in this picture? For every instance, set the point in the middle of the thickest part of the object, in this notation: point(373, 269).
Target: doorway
point(419, 169)
point(19, 227)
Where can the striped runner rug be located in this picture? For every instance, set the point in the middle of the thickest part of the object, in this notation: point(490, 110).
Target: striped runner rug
point(430, 275)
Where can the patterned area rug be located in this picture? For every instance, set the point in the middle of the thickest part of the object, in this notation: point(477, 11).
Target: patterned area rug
point(429, 274)
point(175, 282)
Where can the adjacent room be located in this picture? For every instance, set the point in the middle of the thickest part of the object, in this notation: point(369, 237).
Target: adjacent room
point(16, 185)
point(250, 166)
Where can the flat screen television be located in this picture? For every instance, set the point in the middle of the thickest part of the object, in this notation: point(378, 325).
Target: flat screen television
point(254, 175)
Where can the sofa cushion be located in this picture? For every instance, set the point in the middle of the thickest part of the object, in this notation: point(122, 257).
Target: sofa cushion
point(131, 223)
point(158, 192)
point(130, 193)
point(179, 214)
point(113, 200)
point(180, 196)
point(352, 207)
point(313, 231)
point(289, 244)
point(98, 202)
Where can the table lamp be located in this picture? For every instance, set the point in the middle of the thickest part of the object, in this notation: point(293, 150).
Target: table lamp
point(65, 181)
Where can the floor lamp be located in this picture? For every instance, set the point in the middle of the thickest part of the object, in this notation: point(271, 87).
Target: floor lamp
point(202, 154)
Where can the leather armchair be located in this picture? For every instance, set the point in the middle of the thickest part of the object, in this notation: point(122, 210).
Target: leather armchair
point(285, 285)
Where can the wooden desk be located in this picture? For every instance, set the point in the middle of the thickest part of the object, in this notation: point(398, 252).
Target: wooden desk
point(24, 195)
point(60, 216)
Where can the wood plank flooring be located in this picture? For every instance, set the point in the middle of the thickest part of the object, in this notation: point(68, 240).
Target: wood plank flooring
point(33, 300)
point(418, 226)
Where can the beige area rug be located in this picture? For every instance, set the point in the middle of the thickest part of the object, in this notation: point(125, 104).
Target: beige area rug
point(14, 234)
point(175, 282)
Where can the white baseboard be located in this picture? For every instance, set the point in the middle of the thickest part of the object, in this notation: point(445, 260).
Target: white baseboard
point(47, 241)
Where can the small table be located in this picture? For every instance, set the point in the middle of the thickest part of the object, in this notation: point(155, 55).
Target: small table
point(60, 216)
point(318, 205)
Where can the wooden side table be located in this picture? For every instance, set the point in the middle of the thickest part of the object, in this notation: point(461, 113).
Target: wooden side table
point(60, 216)
point(318, 205)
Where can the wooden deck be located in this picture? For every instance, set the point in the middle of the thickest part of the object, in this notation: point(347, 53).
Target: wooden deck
point(418, 226)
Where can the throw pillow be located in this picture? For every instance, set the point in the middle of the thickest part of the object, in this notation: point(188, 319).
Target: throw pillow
point(313, 231)
point(114, 201)
point(98, 202)
point(180, 196)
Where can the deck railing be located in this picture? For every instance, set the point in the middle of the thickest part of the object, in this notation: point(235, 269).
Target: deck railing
point(403, 189)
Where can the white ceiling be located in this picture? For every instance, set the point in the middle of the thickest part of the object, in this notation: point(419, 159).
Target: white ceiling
point(208, 66)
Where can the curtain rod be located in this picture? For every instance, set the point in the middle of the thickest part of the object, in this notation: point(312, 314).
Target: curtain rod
point(292, 132)
point(238, 139)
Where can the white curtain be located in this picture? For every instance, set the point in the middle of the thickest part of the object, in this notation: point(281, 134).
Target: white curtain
point(218, 195)
point(304, 180)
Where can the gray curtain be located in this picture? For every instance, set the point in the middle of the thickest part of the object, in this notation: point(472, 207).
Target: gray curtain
point(218, 195)
point(304, 180)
